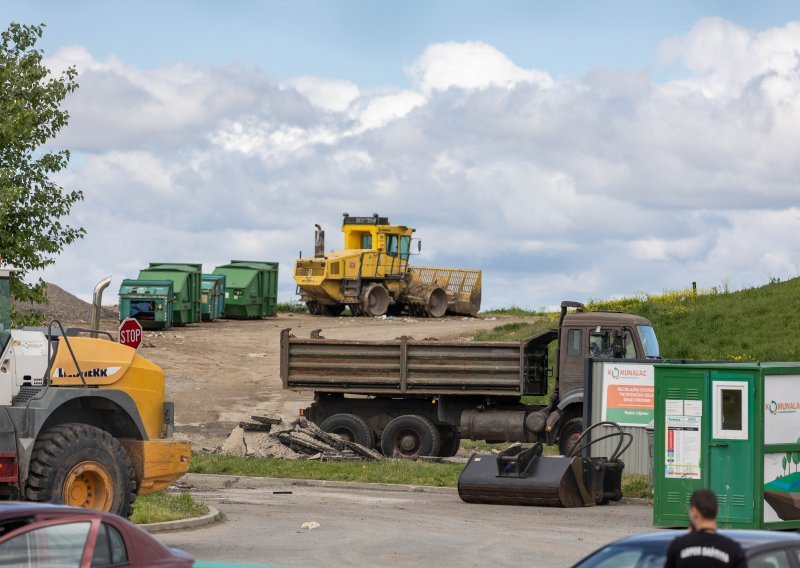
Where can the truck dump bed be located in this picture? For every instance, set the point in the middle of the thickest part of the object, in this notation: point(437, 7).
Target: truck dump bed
point(409, 367)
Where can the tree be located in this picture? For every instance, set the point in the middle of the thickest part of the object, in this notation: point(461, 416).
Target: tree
point(32, 206)
point(784, 463)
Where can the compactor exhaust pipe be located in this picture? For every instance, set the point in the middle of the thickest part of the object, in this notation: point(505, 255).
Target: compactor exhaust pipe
point(97, 298)
point(319, 242)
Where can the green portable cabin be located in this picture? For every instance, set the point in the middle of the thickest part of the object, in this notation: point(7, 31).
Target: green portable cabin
point(733, 428)
point(149, 301)
point(186, 288)
point(213, 298)
point(251, 288)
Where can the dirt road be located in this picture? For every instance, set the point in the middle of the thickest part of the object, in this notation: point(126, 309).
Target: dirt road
point(219, 373)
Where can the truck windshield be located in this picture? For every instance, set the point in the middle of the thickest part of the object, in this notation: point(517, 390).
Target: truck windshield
point(648, 337)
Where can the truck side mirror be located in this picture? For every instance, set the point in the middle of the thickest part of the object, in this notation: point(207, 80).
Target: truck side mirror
point(618, 348)
point(419, 246)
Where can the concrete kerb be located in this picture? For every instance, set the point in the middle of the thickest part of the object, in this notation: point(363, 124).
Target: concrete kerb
point(213, 482)
point(212, 517)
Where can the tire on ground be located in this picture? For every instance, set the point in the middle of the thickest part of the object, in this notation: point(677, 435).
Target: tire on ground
point(78, 464)
point(569, 434)
point(349, 426)
point(410, 436)
point(451, 442)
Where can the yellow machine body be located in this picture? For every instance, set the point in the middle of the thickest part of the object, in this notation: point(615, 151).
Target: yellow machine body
point(377, 253)
point(158, 461)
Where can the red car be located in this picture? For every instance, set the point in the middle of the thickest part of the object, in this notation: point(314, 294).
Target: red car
point(35, 534)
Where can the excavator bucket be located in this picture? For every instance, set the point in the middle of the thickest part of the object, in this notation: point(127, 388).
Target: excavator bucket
point(524, 477)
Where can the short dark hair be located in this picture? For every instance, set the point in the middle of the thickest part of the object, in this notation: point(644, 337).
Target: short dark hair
point(705, 501)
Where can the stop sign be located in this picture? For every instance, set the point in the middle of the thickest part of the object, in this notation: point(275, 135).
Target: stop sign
point(130, 333)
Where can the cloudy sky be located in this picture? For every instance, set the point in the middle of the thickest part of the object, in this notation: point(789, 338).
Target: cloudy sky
point(568, 149)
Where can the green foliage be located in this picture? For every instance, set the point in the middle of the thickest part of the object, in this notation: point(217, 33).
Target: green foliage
point(32, 206)
point(636, 485)
point(405, 472)
point(714, 324)
point(292, 307)
point(161, 507)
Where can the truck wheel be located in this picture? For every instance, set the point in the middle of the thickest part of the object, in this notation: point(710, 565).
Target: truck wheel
point(570, 433)
point(451, 442)
point(375, 300)
point(410, 436)
point(80, 465)
point(349, 426)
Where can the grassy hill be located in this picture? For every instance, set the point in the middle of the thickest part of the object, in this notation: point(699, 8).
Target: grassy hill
point(754, 324)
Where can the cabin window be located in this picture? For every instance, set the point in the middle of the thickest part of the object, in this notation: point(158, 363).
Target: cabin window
point(405, 246)
point(600, 344)
point(574, 342)
point(366, 241)
point(391, 245)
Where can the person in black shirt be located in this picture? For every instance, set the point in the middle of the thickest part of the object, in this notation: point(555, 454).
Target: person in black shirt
point(703, 547)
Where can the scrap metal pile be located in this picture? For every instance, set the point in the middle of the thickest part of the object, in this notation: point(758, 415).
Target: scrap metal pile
point(267, 435)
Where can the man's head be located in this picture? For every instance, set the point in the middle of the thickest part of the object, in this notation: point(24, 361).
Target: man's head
point(703, 507)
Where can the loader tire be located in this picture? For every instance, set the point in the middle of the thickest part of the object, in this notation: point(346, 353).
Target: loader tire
point(451, 442)
point(349, 426)
point(80, 465)
point(410, 436)
point(570, 433)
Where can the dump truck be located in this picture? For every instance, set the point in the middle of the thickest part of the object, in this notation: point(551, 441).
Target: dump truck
point(421, 397)
point(83, 420)
point(371, 275)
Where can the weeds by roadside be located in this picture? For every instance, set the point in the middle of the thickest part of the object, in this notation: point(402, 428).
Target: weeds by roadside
point(160, 507)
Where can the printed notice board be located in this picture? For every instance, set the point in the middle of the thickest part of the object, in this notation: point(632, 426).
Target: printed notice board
point(781, 409)
point(628, 393)
point(683, 443)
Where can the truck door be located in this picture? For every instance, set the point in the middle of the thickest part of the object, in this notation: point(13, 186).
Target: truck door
point(572, 354)
point(730, 446)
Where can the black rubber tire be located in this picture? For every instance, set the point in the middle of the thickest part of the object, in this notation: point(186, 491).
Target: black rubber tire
point(418, 432)
point(350, 426)
point(451, 442)
point(572, 429)
point(60, 448)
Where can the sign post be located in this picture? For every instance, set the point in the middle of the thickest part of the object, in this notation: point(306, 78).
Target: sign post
point(130, 333)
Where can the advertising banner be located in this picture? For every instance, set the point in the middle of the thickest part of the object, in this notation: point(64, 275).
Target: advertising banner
point(628, 393)
point(782, 409)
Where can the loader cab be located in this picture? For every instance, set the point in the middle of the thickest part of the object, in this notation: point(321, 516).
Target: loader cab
point(376, 234)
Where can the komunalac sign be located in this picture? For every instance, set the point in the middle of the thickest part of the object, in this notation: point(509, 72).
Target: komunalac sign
point(628, 393)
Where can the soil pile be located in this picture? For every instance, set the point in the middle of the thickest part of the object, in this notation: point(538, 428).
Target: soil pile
point(64, 307)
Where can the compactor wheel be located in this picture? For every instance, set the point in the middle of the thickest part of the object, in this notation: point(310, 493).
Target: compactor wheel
point(78, 464)
point(332, 311)
point(437, 303)
point(314, 308)
point(375, 300)
point(410, 436)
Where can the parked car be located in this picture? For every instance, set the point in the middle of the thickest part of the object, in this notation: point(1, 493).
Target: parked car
point(764, 549)
point(38, 534)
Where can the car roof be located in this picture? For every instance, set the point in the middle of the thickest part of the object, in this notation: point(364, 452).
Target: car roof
point(10, 509)
point(746, 538)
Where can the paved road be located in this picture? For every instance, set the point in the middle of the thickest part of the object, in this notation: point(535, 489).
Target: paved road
point(390, 528)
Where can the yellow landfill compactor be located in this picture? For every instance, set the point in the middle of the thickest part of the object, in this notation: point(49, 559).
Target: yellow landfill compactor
point(371, 275)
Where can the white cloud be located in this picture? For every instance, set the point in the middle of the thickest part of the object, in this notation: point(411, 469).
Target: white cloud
point(469, 65)
point(557, 188)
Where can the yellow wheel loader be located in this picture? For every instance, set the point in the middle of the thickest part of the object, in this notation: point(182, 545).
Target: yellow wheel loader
point(371, 275)
point(83, 420)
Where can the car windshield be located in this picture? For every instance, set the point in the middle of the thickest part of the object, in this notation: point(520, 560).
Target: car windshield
point(648, 337)
point(627, 556)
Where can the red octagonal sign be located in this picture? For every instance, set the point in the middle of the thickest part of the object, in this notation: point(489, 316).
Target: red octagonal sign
point(130, 333)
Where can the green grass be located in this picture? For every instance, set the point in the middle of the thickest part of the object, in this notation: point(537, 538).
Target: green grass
point(636, 485)
point(404, 472)
point(716, 324)
point(291, 307)
point(514, 311)
point(161, 506)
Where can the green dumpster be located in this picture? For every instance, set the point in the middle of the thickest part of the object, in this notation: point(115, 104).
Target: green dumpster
point(251, 288)
point(186, 288)
point(213, 298)
point(149, 301)
point(733, 428)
